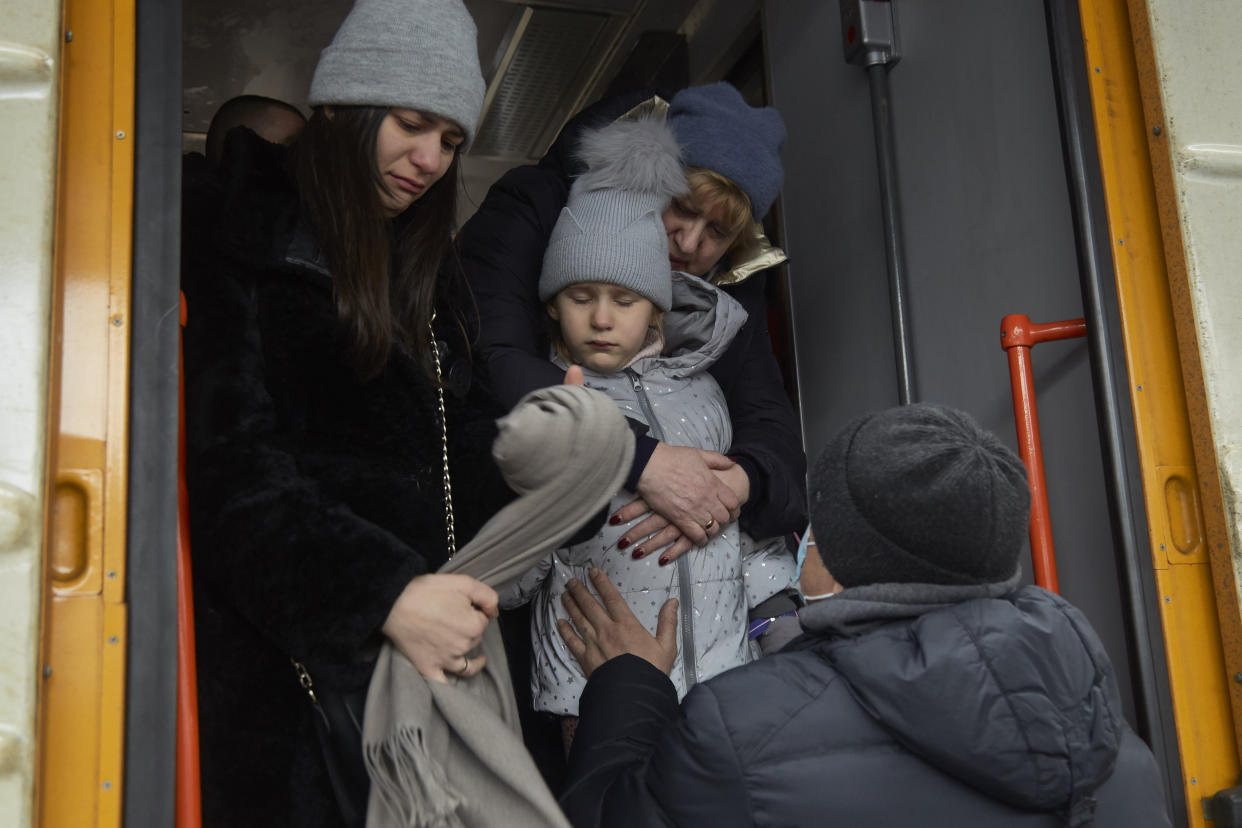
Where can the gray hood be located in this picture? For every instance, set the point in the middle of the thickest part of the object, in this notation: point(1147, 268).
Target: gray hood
point(698, 328)
point(1013, 695)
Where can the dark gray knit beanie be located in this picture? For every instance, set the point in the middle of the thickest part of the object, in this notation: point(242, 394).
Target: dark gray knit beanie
point(919, 494)
point(719, 131)
point(610, 230)
point(417, 54)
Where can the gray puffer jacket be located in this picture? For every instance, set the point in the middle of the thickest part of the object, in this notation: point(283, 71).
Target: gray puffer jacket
point(675, 396)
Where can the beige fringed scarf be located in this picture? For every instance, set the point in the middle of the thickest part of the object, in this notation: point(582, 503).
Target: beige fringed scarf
point(451, 755)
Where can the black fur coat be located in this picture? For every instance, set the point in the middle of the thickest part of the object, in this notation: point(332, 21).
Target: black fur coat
point(314, 497)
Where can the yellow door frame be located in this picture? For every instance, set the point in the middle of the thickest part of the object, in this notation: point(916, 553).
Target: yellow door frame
point(1181, 490)
point(82, 705)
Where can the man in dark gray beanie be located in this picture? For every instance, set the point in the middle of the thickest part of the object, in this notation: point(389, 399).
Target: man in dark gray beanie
point(928, 688)
point(919, 494)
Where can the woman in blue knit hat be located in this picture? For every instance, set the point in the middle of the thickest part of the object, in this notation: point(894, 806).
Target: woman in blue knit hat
point(330, 411)
point(732, 151)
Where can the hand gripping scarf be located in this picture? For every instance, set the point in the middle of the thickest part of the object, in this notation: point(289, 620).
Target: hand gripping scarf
point(450, 755)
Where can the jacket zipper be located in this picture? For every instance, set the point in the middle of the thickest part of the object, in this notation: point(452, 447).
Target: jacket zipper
point(685, 589)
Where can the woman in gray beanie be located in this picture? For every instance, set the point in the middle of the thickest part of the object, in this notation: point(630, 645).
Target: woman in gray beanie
point(330, 408)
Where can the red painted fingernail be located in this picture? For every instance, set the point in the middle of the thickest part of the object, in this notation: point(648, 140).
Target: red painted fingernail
point(624, 542)
point(664, 560)
point(615, 520)
point(638, 553)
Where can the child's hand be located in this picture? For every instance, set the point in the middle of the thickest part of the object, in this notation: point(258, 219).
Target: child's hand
point(601, 631)
point(574, 376)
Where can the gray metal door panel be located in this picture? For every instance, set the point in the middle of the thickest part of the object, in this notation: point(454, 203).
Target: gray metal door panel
point(987, 231)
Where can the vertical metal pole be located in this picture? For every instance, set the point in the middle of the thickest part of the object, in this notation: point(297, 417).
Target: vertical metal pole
point(1018, 336)
point(894, 252)
point(189, 804)
point(871, 42)
point(1026, 419)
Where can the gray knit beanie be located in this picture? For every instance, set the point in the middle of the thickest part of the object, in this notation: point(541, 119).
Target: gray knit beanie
point(919, 494)
point(610, 230)
point(719, 131)
point(418, 54)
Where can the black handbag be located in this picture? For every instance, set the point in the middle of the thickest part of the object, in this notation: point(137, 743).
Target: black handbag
point(338, 727)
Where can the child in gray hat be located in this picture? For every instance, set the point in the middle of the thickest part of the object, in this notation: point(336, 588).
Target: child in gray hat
point(645, 335)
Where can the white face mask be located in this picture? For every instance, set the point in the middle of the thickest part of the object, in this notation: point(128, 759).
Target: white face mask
point(803, 543)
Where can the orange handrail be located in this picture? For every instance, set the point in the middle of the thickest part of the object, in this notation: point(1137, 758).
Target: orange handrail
point(1018, 336)
point(189, 794)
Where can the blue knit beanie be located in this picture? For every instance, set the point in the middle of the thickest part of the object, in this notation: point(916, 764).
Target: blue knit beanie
point(719, 131)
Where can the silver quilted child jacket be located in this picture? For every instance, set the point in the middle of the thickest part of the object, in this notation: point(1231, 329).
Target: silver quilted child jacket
point(716, 585)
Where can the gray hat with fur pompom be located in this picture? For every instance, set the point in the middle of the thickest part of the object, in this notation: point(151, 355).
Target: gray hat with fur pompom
point(417, 54)
point(610, 230)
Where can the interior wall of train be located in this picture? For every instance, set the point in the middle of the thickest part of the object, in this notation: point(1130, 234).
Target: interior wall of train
point(986, 213)
point(1063, 160)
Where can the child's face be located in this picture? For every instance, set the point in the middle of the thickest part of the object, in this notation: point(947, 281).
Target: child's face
point(603, 326)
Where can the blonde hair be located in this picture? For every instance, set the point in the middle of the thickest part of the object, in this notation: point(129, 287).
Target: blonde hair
point(711, 190)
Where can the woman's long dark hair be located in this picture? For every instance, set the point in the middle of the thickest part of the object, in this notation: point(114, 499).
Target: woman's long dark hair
point(385, 272)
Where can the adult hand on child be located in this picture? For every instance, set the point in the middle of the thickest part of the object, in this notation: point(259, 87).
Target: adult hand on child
point(664, 531)
point(438, 621)
point(601, 631)
point(735, 478)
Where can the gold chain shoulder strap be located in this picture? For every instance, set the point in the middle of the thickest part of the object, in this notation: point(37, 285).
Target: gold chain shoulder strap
point(304, 677)
point(448, 480)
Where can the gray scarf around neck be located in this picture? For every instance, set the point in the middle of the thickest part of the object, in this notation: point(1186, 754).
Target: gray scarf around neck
point(450, 755)
point(857, 609)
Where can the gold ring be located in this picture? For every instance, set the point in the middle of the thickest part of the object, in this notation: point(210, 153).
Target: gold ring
point(465, 669)
point(707, 527)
